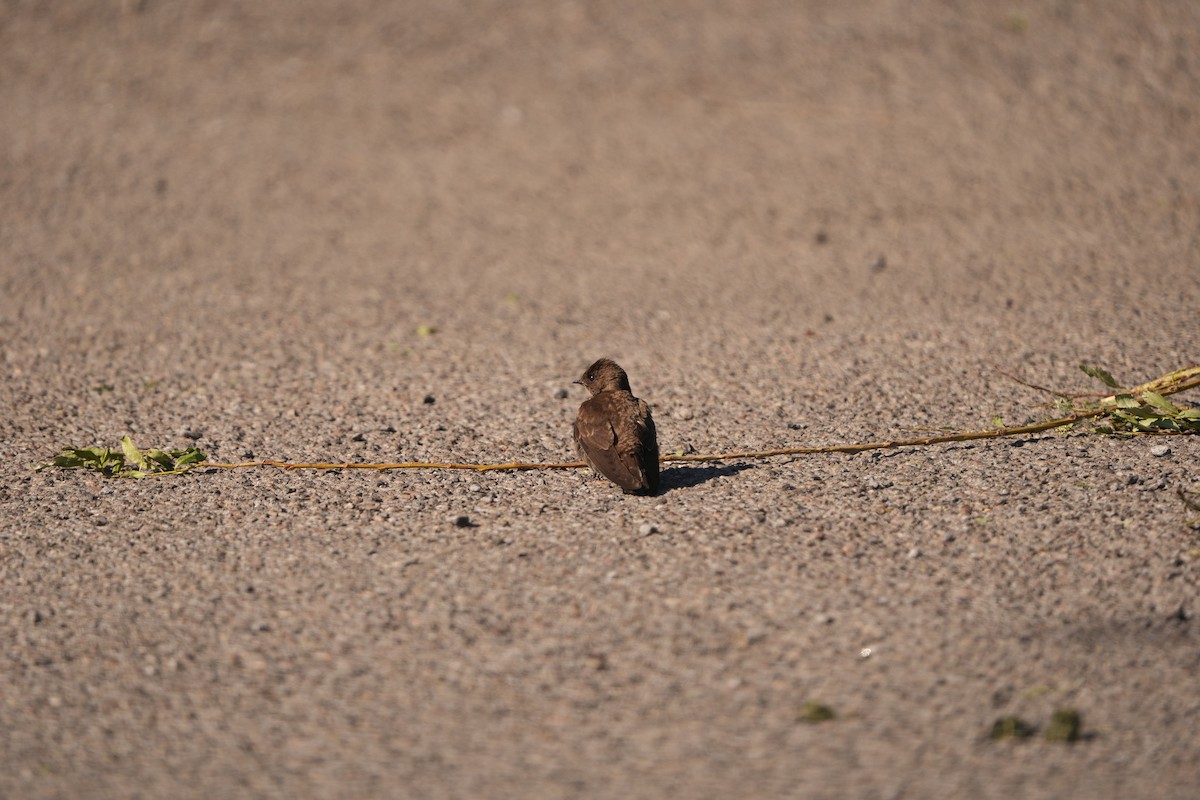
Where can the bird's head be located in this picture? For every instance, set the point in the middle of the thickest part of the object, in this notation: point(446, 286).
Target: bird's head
point(604, 375)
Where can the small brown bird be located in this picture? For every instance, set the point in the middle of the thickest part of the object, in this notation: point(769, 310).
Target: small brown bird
point(614, 432)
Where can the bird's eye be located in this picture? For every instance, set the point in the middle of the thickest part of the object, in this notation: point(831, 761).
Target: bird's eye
point(591, 376)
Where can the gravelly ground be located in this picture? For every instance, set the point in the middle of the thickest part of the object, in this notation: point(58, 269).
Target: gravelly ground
point(794, 224)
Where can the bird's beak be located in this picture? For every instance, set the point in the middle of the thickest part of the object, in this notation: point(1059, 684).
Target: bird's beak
point(578, 382)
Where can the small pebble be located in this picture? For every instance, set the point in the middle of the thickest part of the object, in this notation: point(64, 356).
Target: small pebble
point(461, 521)
point(683, 412)
point(646, 529)
point(914, 553)
point(561, 394)
point(1160, 450)
point(429, 400)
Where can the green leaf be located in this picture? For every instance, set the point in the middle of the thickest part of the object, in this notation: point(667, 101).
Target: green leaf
point(1158, 401)
point(1127, 401)
point(1011, 728)
point(132, 454)
point(1101, 374)
point(814, 712)
point(192, 455)
point(1064, 726)
point(164, 460)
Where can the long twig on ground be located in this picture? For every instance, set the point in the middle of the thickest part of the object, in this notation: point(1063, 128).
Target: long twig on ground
point(1171, 383)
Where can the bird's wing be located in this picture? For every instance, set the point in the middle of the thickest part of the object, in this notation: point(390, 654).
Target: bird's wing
point(647, 437)
point(609, 450)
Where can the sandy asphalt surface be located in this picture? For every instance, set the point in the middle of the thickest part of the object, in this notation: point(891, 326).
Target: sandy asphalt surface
point(792, 223)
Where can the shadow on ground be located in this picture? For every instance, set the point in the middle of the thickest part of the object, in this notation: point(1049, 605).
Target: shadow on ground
point(683, 477)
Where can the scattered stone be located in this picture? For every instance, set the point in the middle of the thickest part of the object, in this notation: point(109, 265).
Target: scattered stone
point(1160, 450)
point(879, 264)
point(429, 400)
point(914, 553)
point(561, 394)
point(461, 521)
point(755, 635)
point(683, 413)
point(646, 529)
point(823, 619)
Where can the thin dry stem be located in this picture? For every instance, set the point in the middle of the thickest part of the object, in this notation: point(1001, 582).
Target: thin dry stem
point(1171, 383)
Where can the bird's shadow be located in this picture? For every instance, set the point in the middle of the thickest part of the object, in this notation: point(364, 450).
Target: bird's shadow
point(684, 477)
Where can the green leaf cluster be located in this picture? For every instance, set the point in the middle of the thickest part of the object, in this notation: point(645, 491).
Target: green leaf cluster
point(1149, 413)
point(1146, 411)
point(129, 461)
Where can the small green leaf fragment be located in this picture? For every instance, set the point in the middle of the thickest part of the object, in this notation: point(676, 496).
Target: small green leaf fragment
point(1011, 728)
point(132, 454)
point(814, 712)
point(426, 330)
point(1127, 401)
point(1064, 726)
point(1101, 374)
